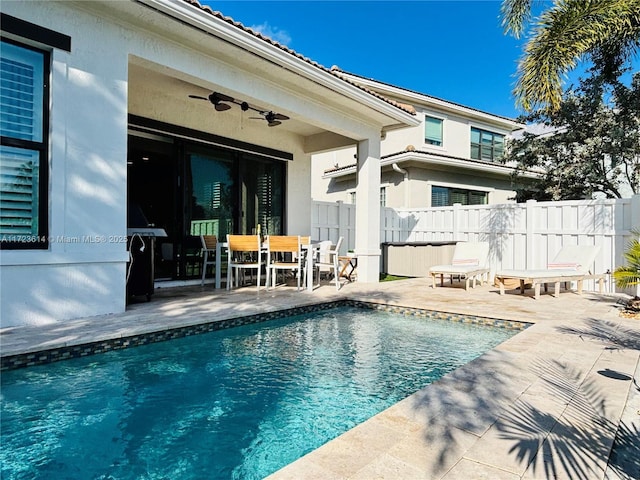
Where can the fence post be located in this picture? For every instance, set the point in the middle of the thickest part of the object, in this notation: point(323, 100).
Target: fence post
point(530, 210)
point(343, 222)
point(456, 220)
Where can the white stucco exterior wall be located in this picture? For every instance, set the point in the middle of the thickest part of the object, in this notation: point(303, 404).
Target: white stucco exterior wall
point(83, 271)
point(456, 143)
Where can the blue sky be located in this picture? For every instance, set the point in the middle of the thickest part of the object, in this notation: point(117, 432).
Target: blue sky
point(454, 50)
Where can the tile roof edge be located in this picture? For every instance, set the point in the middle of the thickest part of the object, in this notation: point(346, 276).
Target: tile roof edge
point(338, 69)
point(219, 15)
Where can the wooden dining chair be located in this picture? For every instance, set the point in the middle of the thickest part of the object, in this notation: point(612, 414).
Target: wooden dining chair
point(243, 252)
point(283, 253)
point(209, 243)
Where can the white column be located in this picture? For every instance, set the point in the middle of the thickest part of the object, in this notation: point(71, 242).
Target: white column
point(368, 210)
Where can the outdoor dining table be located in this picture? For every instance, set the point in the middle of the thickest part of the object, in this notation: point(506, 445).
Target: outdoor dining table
point(311, 248)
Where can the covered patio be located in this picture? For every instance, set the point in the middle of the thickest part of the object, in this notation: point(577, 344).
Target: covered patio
point(203, 125)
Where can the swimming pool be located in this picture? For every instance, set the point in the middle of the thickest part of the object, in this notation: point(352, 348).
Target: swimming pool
point(236, 403)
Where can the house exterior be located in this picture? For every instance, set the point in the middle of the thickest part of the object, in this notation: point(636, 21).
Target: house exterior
point(170, 114)
point(452, 156)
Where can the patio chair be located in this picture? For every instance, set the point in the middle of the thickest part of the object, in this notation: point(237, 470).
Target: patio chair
point(243, 252)
point(469, 262)
point(572, 263)
point(283, 253)
point(305, 246)
point(327, 260)
point(209, 243)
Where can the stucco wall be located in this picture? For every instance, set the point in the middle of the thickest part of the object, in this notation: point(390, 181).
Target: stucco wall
point(456, 143)
point(84, 271)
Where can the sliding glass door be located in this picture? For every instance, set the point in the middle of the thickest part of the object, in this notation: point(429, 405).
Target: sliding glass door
point(193, 189)
point(261, 196)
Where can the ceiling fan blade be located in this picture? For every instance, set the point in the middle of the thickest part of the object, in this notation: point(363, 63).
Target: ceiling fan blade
point(222, 97)
point(280, 116)
point(274, 123)
point(199, 97)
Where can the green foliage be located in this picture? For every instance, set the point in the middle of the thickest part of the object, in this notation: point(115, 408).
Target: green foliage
point(593, 144)
point(630, 274)
point(385, 277)
point(605, 31)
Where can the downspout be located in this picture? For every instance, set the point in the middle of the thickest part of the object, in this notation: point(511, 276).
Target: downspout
point(406, 183)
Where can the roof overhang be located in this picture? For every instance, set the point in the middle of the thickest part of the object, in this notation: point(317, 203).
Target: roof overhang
point(319, 100)
point(421, 99)
point(433, 160)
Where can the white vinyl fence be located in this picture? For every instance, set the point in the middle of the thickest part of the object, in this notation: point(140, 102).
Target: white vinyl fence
point(520, 235)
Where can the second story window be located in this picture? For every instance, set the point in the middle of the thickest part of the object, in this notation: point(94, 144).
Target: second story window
point(383, 196)
point(486, 145)
point(433, 131)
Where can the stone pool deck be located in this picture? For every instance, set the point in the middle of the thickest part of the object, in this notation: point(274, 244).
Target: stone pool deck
point(546, 404)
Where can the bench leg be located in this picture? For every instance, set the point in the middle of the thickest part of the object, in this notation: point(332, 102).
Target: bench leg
point(536, 289)
point(522, 287)
point(580, 287)
point(501, 285)
point(556, 292)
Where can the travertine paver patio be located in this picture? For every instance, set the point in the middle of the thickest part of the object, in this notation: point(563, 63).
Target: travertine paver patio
point(545, 404)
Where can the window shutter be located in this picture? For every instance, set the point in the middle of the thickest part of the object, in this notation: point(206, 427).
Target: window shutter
point(21, 120)
point(21, 93)
point(19, 187)
point(439, 196)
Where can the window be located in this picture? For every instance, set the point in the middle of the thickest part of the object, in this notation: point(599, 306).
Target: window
point(486, 145)
point(23, 146)
point(433, 131)
point(352, 198)
point(383, 196)
point(446, 196)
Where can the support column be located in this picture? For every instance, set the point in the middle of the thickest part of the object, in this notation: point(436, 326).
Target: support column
point(368, 210)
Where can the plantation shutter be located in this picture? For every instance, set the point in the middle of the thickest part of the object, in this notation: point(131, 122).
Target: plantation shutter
point(21, 118)
point(439, 196)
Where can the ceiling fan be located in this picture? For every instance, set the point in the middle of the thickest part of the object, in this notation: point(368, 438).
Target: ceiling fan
point(272, 118)
point(221, 103)
point(216, 98)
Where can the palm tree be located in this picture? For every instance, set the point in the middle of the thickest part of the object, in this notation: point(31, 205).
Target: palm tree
point(607, 31)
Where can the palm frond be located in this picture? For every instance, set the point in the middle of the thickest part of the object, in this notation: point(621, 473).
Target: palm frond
point(629, 275)
point(564, 34)
point(515, 15)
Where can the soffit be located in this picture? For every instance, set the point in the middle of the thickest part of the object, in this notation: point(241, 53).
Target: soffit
point(297, 96)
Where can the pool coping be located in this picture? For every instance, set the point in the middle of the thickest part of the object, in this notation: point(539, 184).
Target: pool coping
point(82, 349)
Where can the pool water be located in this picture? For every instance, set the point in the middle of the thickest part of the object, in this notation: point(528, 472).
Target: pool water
point(238, 403)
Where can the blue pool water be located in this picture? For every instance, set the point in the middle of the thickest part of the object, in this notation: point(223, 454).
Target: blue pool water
point(237, 403)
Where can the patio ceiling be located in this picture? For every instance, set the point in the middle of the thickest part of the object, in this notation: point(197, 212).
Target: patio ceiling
point(198, 53)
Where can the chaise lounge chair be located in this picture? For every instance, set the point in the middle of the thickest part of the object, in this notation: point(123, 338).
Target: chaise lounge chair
point(469, 261)
point(572, 263)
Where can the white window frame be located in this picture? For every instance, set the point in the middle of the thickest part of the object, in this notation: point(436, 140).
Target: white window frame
point(12, 235)
point(424, 132)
